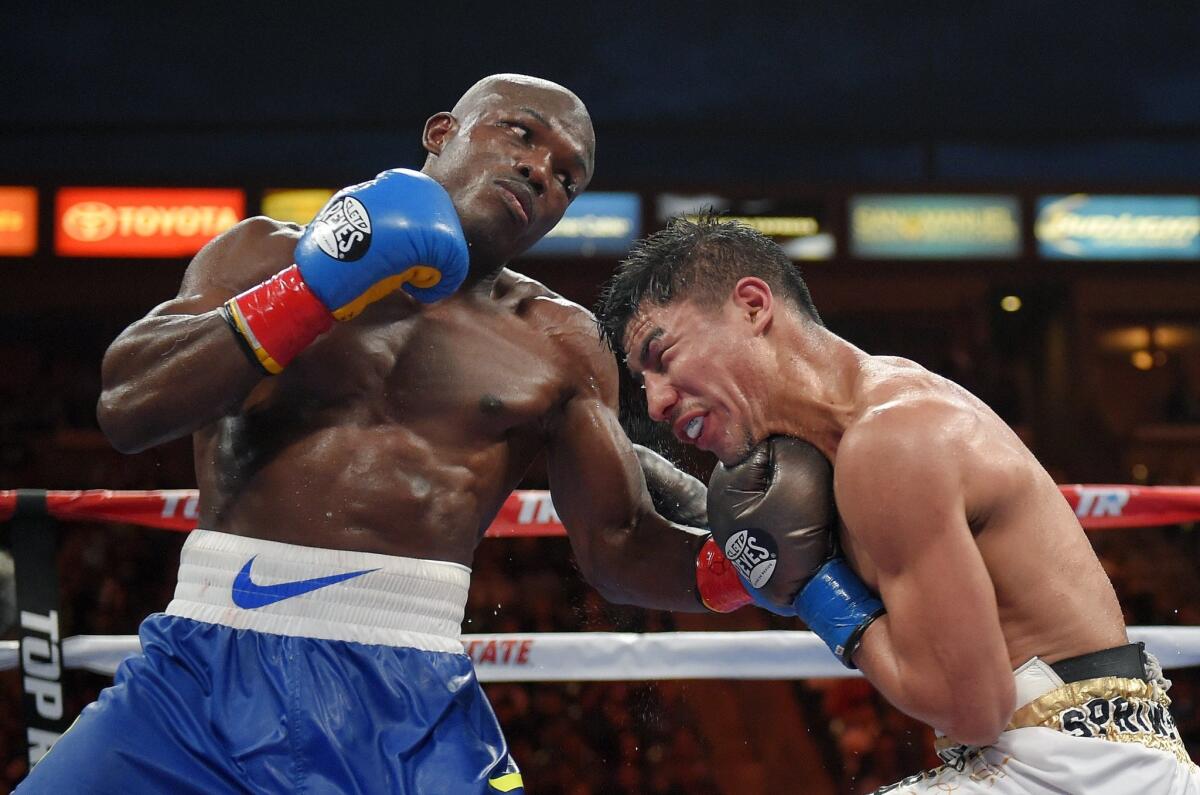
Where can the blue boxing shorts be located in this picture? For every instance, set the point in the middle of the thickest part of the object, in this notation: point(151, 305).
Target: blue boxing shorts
point(280, 668)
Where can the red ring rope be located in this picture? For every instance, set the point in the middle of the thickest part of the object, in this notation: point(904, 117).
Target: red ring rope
point(531, 513)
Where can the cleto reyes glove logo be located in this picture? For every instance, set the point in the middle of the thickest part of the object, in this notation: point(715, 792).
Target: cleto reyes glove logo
point(343, 229)
point(755, 555)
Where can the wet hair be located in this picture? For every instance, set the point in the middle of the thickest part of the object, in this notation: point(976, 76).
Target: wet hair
point(700, 258)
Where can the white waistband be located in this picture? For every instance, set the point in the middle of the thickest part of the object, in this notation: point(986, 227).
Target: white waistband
point(1034, 679)
point(284, 589)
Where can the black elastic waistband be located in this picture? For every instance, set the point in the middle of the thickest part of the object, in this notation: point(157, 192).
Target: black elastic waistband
point(1126, 662)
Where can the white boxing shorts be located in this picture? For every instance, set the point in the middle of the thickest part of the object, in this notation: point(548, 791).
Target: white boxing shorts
point(1107, 734)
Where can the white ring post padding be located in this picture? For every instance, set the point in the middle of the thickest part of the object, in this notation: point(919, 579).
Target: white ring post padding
point(628, 656)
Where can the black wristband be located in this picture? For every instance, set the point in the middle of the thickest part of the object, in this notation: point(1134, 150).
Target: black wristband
point(243, 343)
point(855, 639)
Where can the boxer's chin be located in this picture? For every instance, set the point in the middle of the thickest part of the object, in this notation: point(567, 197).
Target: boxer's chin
point(739, 451)
point(492, 236)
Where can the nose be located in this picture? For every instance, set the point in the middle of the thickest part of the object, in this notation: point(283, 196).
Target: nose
point(661, 397)
point(535, 168)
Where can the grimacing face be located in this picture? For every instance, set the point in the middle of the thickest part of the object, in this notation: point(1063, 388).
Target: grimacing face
point(697, 369)
point(513, 165)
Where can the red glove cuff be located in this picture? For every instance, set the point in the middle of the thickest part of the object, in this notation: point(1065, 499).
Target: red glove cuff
point(278, 318)
point(717, 582)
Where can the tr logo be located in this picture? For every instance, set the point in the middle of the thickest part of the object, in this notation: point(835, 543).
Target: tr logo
point(1101, 501)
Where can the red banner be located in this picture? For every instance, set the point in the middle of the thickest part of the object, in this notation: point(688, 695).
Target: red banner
point(18, 221)
point(142, 222)
point(531, 513)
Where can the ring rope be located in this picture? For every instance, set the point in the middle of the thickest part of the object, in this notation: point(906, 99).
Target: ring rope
point(628, 656)
point(528, 513)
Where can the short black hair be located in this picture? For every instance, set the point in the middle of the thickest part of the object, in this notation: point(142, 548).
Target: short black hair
point(699, 257)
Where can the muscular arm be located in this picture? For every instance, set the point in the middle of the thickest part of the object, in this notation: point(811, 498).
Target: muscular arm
point(939, 653)
point(625, 550)
point(180, 368)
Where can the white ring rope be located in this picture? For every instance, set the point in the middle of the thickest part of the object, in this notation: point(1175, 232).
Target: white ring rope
point(628, 656)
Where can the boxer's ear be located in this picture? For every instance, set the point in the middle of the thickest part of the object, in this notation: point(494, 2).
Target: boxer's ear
point(438, 129)
point(755, 302)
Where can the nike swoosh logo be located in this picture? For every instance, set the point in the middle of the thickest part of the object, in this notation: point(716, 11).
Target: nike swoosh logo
point(247, 595)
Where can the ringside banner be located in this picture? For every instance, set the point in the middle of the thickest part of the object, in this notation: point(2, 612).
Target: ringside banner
point(1082, 226)
point(596, 224)
point(18, 221)
point(298, 205)
point(799, 226)
point(142, 222)
point(927, 226)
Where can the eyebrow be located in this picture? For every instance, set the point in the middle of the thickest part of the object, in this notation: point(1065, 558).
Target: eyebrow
point(578, 159)
point(535, 114)
point(644, 353)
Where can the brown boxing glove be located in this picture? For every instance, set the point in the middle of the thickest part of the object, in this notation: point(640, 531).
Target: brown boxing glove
point(677, 496)
point(774, 517)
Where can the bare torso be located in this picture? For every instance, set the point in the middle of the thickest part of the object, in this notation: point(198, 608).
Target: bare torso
point(1054, 599)
point(401, 432)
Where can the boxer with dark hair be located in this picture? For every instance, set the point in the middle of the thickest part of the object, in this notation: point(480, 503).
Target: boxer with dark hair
point(363, 394)
point(960, 581)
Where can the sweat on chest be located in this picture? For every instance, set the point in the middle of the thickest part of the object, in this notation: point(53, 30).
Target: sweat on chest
point(494, 371)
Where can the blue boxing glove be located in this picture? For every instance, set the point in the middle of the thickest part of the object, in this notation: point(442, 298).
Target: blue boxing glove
point(398, 230)
point(773, 517)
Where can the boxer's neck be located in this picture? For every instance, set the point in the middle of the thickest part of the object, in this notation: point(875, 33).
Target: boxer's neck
point(815, 397)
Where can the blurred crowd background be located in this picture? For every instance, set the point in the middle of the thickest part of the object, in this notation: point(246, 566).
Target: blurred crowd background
point(800, 116)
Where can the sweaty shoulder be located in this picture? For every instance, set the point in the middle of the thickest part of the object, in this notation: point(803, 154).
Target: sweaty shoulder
point(571, 328)
point(905, 427)
point(924, 434)
point(245, 255)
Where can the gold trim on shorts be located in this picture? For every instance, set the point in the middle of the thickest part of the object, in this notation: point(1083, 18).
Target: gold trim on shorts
point(1108, 708)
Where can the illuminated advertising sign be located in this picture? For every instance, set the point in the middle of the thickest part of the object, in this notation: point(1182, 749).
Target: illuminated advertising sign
point(18, 221)
point(142, 222)
point(1080, 226)
point(596, 224)
point(918, 226)
point(799, 226)
point(298, 205)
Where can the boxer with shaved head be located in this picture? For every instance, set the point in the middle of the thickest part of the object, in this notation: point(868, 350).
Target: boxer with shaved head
point(363, 394)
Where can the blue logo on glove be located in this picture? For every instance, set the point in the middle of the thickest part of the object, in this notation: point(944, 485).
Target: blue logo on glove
point(247, 595)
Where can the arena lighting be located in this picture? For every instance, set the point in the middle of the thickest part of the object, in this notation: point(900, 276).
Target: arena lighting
point(1159, 336)
point(1011, 303)
point(1171, 336)
point(1142, 360)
